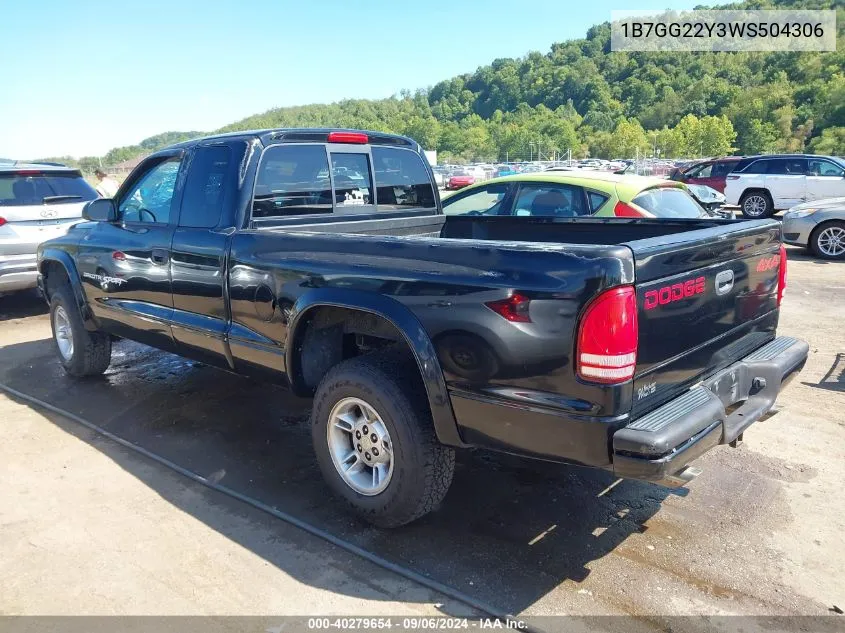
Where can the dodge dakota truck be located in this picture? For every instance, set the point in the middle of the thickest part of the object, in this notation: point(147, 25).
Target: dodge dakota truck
point(321, 259)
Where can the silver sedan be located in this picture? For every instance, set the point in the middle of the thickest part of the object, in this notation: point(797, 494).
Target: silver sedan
point(818, 225)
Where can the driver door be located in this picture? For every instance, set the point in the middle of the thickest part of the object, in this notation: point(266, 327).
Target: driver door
point(125, 265)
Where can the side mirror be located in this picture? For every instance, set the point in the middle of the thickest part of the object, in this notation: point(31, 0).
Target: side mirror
point(100, 210)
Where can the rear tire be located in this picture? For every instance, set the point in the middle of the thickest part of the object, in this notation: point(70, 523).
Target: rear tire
point(82, 353)
point(828, 240)
point(757, 204)
point(380, 396)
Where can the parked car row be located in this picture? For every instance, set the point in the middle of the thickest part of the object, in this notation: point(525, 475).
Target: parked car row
point(41, 201)
point(762, 185)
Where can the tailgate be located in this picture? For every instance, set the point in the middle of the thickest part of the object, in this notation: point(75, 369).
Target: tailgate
point(705, 299)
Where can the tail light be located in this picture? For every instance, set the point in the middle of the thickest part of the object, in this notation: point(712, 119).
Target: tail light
point(622, 210)
point(514, 308)
point(607, 337)
point(348, 137)
point(731, 177)
point(118, 256)
point(782, 274)
point(2, 221)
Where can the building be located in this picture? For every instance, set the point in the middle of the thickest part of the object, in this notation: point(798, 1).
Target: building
point(124, 167)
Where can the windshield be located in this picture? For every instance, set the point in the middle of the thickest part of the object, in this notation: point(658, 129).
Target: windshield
point(669, 202)
point(19, 189)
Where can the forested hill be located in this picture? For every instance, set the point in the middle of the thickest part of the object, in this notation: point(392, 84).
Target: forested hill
point(583, 97)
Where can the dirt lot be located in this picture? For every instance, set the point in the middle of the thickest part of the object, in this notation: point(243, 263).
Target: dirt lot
point(759, 532)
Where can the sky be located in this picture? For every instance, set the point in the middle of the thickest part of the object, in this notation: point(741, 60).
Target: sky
point(82, 77)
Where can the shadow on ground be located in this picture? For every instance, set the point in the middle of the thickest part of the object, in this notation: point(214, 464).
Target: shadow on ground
point(508, 532)
point(834, 379)
point(19, 305)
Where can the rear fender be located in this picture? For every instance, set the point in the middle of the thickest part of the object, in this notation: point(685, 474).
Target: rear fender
point(405, 322)
point(60, 257)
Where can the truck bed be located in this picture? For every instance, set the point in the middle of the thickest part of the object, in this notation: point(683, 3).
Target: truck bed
point(419, 259)
point(510, 229)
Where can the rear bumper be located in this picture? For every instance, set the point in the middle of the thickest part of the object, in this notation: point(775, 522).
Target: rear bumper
point(18, 272)
point(660, 445)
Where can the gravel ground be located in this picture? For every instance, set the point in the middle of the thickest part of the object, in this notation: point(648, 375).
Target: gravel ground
point(759, 532)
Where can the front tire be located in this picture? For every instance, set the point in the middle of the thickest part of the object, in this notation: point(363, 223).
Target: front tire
point(82, 353)
point(828, 241)
point(757, 205)
point(374, 439)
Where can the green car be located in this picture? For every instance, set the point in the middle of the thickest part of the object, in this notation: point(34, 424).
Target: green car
point(574, 193)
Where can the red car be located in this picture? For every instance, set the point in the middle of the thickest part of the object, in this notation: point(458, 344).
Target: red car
point(709, 172)
point(459, 182)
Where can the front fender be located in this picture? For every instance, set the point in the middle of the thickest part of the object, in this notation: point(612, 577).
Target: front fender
point(62, 258)
point(405, 322)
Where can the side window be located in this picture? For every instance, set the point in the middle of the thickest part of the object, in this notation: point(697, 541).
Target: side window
point(353, 183)
point(401, 179)
point(788, 167)
point(553, 200)
point(758, 167)
point(596, 200)
point(820, 167)
point(722, 169)
point(292, 180)
point(202, 202)
point(705, 171)
point(485, 201)
point(150, 199)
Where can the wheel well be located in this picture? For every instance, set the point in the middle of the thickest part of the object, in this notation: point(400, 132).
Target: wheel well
point(55, 276)
point(821, 225)
point(751, 190)
point(331, 335)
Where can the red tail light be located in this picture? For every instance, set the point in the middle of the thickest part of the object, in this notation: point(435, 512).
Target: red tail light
point(731, 177)
point(622, 210)
point(607, 337)
point(514, 308)
point(118, 256)
point(348, 137)
point(2, 221)
point(782, 274)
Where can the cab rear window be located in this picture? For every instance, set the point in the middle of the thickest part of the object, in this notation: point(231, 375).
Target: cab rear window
point(302, 179)
point(402, 180)
point(669, 202)
point(28, 188)
point(292, 180)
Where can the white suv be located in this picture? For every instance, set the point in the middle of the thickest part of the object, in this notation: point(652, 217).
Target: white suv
point(37, 202)
point(762, 185)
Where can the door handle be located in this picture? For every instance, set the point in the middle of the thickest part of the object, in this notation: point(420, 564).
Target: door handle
point(160, 256)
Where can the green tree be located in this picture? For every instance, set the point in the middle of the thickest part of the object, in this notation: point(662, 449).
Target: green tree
point(831, 141)
point(717, 136)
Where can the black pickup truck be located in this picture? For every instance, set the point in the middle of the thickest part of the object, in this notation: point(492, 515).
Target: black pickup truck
point(322, 259)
